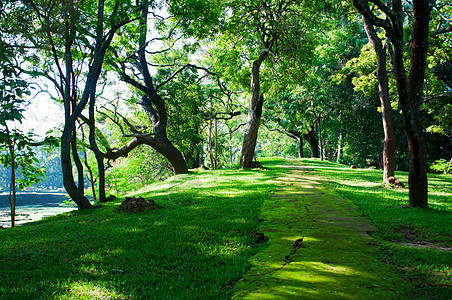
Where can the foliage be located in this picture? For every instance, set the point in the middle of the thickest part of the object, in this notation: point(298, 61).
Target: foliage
point(442, 166)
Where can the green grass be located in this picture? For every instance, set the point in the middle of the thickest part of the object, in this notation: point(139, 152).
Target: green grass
point(204, 234)
point(196, 245)
point(417, 241)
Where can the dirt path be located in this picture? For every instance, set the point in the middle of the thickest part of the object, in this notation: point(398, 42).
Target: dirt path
point(319, 248)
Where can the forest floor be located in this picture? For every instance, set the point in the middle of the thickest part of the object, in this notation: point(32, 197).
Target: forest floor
point(319, 247)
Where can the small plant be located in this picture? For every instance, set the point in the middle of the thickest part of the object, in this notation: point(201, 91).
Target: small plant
point(442, 166)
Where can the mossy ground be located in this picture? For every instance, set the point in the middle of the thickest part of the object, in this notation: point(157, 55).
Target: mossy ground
point(319, 248)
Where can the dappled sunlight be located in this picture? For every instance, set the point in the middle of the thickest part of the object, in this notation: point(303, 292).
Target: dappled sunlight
point(87, 290)
point(318, 248)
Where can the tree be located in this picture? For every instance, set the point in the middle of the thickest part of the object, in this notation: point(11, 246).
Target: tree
point(265, 29)
point(409, 89)
point(78, 36)
point(16, 150)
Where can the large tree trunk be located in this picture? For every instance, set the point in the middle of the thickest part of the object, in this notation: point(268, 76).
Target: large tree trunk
point(66, 165)
point(386, 110)
point(254, 114)
point(410, 91)
point(311, 138)
point(417, 179)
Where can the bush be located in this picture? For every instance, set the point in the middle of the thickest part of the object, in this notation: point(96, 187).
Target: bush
point(442, 166)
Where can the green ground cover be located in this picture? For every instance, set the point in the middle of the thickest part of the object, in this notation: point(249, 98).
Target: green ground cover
point(417, 241)
point(207, 231)
point(195, 246)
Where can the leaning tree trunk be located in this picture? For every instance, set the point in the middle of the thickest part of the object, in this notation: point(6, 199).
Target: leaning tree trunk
point(254, 114)
point(66, 165)
point(386, 110)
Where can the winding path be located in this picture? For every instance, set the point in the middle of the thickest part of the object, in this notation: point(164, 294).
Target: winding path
point(319, 248)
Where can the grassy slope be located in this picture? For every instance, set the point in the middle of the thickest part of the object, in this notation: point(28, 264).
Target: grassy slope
point(417, 241)
point(195, 246)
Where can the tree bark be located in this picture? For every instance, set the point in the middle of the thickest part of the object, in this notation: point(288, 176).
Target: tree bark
point(383, 93)
point(300, 146)
point(254, 113)
point(410, 91)
point(311, 138)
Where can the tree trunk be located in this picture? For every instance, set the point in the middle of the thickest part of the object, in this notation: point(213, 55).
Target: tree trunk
point(311, 138)
point(386, 110)
point(339, 149)
point(66, 165)
point(300, 146)
point(417, 179)
point(209, 141)
point(101, 170)
point(12, 192)
point(254, 113)
point(91, 176)
point(410, 91)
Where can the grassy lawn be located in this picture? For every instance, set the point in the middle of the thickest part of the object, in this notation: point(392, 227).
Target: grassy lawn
point(196, 245)
point(199, 241)
point(417, 241)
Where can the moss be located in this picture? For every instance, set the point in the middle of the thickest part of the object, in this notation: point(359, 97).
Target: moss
point(318, 248)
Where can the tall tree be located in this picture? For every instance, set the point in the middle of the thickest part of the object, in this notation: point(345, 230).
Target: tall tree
point(409, 89)
point(16, 153)
point(78, 35)
point(389, 148)
point(267, 28)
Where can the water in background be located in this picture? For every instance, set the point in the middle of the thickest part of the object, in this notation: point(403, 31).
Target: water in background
point(34, 206)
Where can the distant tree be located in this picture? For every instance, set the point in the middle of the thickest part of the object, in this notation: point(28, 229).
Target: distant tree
point(264, 29)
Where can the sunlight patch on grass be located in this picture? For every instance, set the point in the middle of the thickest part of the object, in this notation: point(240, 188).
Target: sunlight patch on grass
point(88, 290)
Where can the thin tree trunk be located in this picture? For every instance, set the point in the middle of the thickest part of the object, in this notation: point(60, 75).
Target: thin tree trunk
point(91, 176)
point(320, 140)
point(300, 146)
point(12, 192)
point(383, 93)
point(211, 157)
point(339, 149)
point(254, 114)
